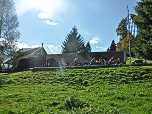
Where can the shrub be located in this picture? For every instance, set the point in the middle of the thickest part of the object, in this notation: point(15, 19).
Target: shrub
point(74, 102)
point(85, 82)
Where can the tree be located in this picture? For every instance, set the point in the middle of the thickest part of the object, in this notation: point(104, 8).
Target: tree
point(121, 30)
point(108, 49)
point(143, 42)
point(88, 48)
point(113, 46)
point(123, 44)
point(73, 43)
point(119, 44)
point(8, 29)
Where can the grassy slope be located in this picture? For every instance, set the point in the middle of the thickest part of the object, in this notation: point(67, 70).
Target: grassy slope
point(102, 90)
point(135, 58)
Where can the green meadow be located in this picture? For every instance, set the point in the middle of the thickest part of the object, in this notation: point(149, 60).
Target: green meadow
point(135, 58)
point(78, 91)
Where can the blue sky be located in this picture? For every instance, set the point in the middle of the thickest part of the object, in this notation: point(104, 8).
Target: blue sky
point(49, 22)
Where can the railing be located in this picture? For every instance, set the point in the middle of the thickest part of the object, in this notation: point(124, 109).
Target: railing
point(6, 70)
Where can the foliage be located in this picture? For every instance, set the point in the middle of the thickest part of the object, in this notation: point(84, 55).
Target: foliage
point(121, 30)
point(74, 43)
point(74, 102)
point(108, 49)
point(112, 47)
point(94, 91)
point(88, 48)
point(8, 29)
point(143, 42)
point(123, 44)
point(135, 58)
point(119, 44)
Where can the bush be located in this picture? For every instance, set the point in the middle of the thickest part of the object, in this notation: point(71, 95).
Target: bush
point(74, 102)
point(85, 82)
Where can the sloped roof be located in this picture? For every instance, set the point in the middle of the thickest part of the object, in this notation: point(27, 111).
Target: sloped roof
point(107, 55)
point(25, 52)
point(29, 50)
point(68, 57)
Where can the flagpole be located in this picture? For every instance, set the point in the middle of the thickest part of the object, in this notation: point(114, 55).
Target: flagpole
point(129, 35)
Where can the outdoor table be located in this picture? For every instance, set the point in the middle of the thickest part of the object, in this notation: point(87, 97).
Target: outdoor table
point(137, 61)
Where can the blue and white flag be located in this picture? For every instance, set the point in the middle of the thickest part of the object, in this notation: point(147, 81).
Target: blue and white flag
point(131, 26)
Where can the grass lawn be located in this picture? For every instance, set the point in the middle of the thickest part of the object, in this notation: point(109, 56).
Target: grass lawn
point(134, 58)
point(78, 91)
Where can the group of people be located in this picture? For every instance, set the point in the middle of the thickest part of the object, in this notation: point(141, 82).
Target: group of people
point(94, 61)
point(75, 62)
point(113, 59)
point(101, 61)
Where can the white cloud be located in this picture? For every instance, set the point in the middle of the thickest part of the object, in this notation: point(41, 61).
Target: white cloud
point(50, 23)
point(45, 15)
point(49, 48)
point(95, 40)
point(101, 47)
point(22, 45)
point(53, 48)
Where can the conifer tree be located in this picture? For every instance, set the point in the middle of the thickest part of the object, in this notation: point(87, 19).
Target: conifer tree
point(113, 46)
point(73, 43)
point(88, 47)
point(108, 49)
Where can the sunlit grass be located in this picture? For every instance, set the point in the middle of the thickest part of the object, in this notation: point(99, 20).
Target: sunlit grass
point(135, 58)
point(94, 91)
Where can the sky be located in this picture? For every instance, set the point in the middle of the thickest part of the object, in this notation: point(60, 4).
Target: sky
point(50, 21)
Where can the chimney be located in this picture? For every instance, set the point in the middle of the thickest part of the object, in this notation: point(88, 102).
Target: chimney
point(41, 48)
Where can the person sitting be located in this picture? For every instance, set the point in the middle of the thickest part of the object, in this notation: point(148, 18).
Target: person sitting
point(93, 61)
point(71, 64)
point(120, 61)
point(112, 59)
point(75, 62)
point(3, 66)
point(101, 61)
point(138, 58)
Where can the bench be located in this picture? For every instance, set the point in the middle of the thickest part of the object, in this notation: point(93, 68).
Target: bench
point(137, 61)
point(114, 62)
point(117, 62)
point(111, 62)
point(79, 64)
